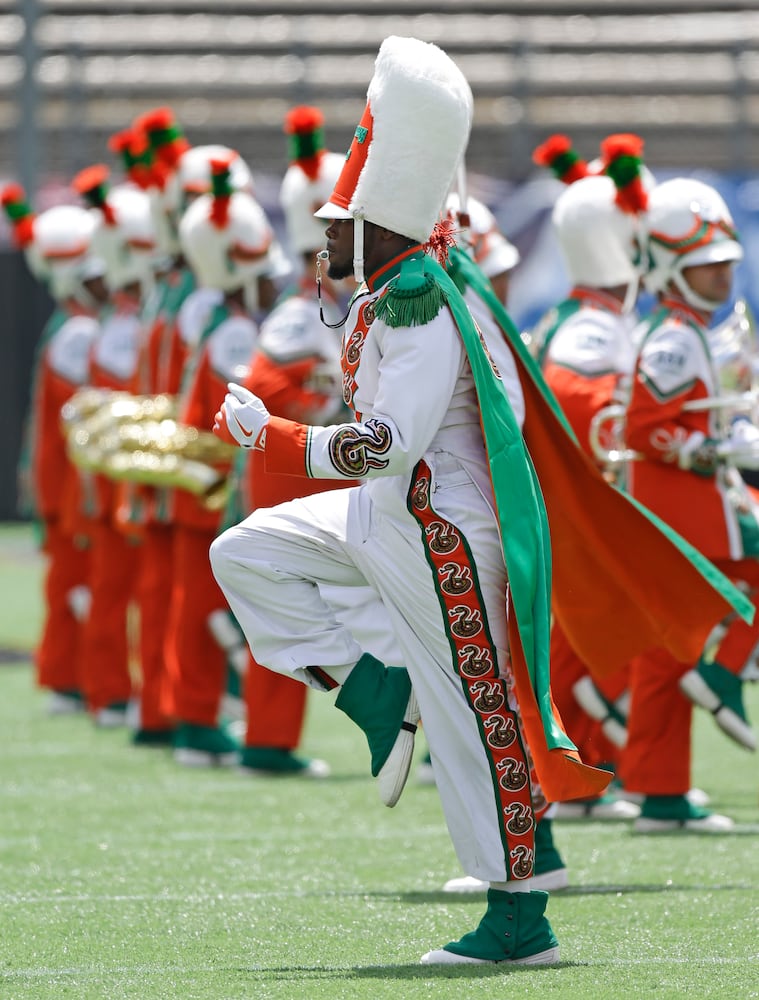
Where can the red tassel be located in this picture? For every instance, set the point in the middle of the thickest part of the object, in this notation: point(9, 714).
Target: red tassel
point(441, 239)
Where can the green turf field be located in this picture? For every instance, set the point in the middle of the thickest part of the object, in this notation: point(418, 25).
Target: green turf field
point(125, 876)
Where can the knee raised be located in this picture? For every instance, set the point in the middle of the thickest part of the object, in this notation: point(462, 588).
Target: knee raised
point(220, 552)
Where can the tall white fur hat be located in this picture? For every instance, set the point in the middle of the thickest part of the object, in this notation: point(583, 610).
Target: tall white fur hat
point(407, 146)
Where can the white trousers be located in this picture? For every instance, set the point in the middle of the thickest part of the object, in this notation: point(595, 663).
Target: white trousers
point(293, 574)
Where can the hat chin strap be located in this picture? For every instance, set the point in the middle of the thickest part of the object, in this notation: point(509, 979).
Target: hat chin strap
point(358, 246)
point(692, 297)
point(85, 297)
point(631, 294)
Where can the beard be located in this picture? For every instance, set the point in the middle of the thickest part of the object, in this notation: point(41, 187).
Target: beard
point(339, 269)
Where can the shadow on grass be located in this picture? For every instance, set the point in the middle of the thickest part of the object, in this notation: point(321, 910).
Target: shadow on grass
point(13, 656)
point(438, 896)
point(415, 971)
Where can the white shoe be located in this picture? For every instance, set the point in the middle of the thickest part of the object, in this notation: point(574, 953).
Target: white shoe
point(59, 703)
point(549, 881)
point(190, 757)
point(466, 883)
point(693, 685)
point(607, 807)
point(589, 698)
point(698, 797)
point(394, 772)
point(442, 957)
point(110, 718)
point(713, 823)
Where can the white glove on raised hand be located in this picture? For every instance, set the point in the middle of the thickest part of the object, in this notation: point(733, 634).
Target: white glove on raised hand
point(242, 418)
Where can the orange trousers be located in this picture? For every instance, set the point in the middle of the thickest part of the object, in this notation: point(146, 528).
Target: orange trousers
point(276, 708)
point(585, 732)
point(58, 655)
point(740, 640)
point(154, 597)
point(657, 758)
point(114, 562)
point(195, 663)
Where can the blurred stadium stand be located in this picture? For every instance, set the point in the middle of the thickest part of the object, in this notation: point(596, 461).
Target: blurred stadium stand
point(682, 73)
point(685, 74)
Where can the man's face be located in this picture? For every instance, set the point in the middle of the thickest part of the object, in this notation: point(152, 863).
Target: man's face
point(339, 235)
point(711, 281)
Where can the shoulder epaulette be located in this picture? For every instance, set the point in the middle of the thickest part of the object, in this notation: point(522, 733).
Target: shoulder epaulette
point(414, 298)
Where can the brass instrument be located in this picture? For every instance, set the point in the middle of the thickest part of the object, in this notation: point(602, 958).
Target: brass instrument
point(735, 356)
point(136, 439)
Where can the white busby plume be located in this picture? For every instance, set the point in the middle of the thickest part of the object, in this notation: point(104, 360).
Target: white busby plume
point(407, 146)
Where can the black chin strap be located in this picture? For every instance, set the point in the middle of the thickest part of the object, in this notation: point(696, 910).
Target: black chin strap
point(324, 255)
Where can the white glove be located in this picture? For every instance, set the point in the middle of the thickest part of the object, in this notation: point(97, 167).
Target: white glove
point(242, 418)
point(742, 447)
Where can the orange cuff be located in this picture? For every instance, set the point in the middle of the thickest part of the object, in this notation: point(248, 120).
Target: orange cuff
point(286, 447)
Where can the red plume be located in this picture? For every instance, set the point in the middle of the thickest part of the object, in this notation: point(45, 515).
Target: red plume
point(303, 119)
point(622, 161)
point(305, 127)
point(558, 154)
point(92, 184)
point(20, 215)
point(221, 189)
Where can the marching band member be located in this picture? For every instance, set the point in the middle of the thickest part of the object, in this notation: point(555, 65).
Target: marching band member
point(585, 347)
point(227, 241)
point(447, 523)
point(688, 451)
point(125, 238)
point(295, 369)
point(58, 246)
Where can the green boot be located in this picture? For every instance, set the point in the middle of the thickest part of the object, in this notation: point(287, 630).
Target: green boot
point(549, 872)
point(720, 692)
point(204, 746)
point(277, 762)
point(514, 930)
point(381, 701)
point(661, 813)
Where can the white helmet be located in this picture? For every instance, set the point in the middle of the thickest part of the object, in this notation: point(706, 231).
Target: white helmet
point(125, 233)
point(597, 238)
point(63, 238)
point(226, 236)
point(687, 223)
point(309, 179)
point(485, 243)
point(193, 175)
point(191, 178)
